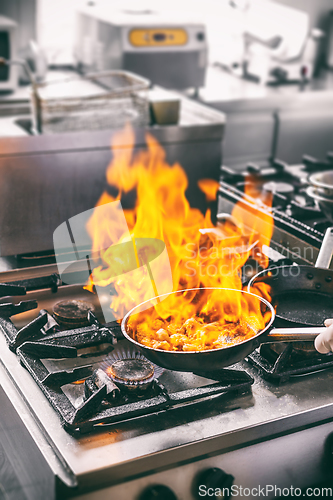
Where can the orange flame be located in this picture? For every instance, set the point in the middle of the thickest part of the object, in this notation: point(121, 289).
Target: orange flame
point(200, 254)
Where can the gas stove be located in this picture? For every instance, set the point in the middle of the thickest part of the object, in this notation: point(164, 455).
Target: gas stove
point(88, 372)
point(299, 224)
point(89, 437)
point(299, 227)
point(71, 366)
point(87, 416)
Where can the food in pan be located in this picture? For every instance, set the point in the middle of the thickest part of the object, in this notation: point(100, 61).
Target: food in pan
point(194, 334)
point(199, 320)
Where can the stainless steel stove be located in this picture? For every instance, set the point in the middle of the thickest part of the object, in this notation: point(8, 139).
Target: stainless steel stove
point(257, 432)
point(67, 431)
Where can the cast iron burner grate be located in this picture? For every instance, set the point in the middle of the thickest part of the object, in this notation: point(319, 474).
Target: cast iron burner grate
point(277, 363)
point(39, 345)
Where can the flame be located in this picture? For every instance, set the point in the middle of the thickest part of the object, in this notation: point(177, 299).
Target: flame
point(262, 226)
point(201, 255)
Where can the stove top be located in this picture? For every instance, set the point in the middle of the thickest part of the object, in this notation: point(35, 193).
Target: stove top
point(72, 366)
point(189, 415)
point(95, 432)
point(299, 224)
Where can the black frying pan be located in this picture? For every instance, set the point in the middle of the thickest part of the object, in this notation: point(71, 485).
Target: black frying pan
point(215, 359)
point(302, 294)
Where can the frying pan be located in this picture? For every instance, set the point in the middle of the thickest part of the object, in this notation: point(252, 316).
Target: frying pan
point(215, 359)
point(302, 295)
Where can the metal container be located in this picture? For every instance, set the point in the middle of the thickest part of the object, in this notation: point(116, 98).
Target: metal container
point(97, 101)
point(323, 183)
point(325, 204)
point(164, 107)
point(211, 360)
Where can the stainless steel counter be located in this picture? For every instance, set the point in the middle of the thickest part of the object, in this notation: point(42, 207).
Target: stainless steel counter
point(48, 179)
point(231, 93)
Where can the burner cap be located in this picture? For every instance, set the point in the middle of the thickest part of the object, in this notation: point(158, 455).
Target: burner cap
point(131, 371)
point(72, 312)
point(279, 187)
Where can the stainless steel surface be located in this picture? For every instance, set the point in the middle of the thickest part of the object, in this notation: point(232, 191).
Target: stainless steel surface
point(155, 53)
point(273, 121)
point(24, 473)
point(325, 204)
point(284, 242)
point(46, 180)
point(329, 54)
point(164, 107)
point(104, 100)
point(294, 334)
point(149, 444)
point(323, 183)
point(241, 463)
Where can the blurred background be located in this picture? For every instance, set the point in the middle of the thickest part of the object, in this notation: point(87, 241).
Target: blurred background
point(254, 60)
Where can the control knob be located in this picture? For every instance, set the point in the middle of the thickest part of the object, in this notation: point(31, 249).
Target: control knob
point(213, 482)
point(158, 492)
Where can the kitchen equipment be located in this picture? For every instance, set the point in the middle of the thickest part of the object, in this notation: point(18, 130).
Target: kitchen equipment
point(325, 204)
point(215, 359)
point(299, 225)
point(8, 50)
point(323, 183)
point(167, 48)
point(35, 57)
point(97, 101)
point(274, 37)
point(168, 439)
point(310, 53)
point(55, 170)
point(329, 52)
point(279, 434)
point(164, 107)
point(302, 294)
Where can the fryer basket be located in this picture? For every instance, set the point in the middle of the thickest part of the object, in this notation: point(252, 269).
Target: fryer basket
point(96, 101)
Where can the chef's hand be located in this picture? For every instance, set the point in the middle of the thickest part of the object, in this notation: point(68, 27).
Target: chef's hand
point(324, 342)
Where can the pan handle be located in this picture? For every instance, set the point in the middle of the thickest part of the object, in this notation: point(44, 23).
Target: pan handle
point(326, 251)
point(293, 334)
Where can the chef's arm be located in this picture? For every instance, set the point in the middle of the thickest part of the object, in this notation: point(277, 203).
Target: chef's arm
point(324, 342)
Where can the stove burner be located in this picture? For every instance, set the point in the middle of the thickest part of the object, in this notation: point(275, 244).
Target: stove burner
point(279, 362)
point(72, 313)
point(130, 370)
point(132, 373)
point(279, 187)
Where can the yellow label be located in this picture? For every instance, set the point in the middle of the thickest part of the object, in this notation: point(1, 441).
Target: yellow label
point(157, 37)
